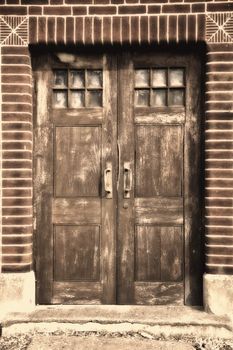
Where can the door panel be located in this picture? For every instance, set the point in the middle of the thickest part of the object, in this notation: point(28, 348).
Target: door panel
point(75, 144)
point(78, 151)
point(159, 136)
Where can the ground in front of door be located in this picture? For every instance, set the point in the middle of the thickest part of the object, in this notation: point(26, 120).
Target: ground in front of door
point(102, 342)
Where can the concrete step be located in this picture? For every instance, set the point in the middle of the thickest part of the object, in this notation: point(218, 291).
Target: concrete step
point(152, 321)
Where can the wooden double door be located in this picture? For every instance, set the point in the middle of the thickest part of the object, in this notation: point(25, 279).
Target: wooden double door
point(117, 186)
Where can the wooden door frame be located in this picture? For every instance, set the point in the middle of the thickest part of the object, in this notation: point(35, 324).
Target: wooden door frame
point(189, 284)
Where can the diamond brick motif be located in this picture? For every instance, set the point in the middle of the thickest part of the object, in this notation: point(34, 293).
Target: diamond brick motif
point(219, 27)
point(13, 30)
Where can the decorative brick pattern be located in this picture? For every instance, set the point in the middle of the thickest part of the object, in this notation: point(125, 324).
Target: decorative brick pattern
point(219, 159)
point(219, 27)
point(13, 31)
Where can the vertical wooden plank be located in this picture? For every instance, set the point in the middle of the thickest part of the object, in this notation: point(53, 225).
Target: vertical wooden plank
point(171, 161)
point(193, 184)
point(125, 241)
point(109, 152)
point(43, 180)
point(147, 161)
point(147, 250)
point(171, 254)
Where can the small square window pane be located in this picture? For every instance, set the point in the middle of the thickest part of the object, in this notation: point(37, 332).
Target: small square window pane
point(60, 78)
point(60, 99)
point(94, 98)
point(94, 79)
point(159, 77)
point(142, 77)
point(142, 97)
point(77, 78)
point(176, 97)
point(159, 98)
point(176, 77)
point(77, 99)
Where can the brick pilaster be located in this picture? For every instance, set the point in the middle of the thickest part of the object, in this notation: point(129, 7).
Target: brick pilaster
point(16, 145)
point(219, 159)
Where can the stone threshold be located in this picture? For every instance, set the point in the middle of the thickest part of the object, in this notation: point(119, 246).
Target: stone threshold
point(122, 319)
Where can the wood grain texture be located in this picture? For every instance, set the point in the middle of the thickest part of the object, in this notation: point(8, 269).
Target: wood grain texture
point(77, 293)
point(159, 293)
point(159, 210)
point(76, 211)
point(76, 253)
point(77, 166)
point(159, 253)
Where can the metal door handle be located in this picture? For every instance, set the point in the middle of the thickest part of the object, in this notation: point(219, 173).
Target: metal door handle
point(128, 179)
point(108, 180)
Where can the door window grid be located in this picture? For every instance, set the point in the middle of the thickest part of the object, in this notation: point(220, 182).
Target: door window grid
point(77, 88)
point(159, 87)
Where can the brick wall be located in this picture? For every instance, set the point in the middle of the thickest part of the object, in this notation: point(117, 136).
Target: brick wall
point(24, 22)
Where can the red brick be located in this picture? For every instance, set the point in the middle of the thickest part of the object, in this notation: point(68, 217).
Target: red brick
point(135, 30)
point(101, 2)
point(77, 2)
point(117, 1)
point(56, 2)
point(51, 30)
point(220, 7)
point(107, 30)
point(16, 240)
point(21, 50)
point(198, 8)
point(182, 28)
point(79, 10)
point(88, 31)
point(70, 30)
point(33, 30)
point(163, 28)
point(125, 30)
point(132, 9)
point(144, 30)
point(79, 30)
point(153, 28)
point(201, 27)
point(13, 10)
point(132, 1)
point(34, 2)
point(192, 27)
point(35, 10)
point(16, 268)
point(41, 30)
point(154, 9)
point(116, 30)
point(16, 249)
point(60, 30)
point(172, 28)
point(102, 10)
point(57, 10)
point(12, 2)
point(97, 30)
point(180, 8)
point(16, 202)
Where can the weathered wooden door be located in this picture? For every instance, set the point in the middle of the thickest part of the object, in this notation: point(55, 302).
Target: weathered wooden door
point(159, 211)
point(117, 185)
point(75, 164)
